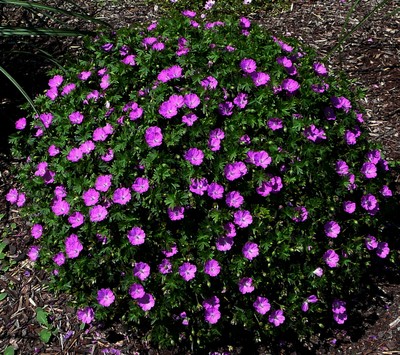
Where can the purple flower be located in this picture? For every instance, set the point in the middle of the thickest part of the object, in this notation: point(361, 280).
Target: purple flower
point(136, 112)
point(103, 183)
point(369, 202)
point(21, 123)
point(90, 197)
point(98, 213)
point(74, 155)
point(76, 117)
point(41, 169)
point(129, 60)
point(141, 185)
point(212, 268)
point(260, 158)
point(108, 156)
point(36, 231)
point(59, 258)
point(76, 219)
point(264, 189)
point(260, 78)
point(341, 103)
point(241, 100)
point(147, 302)
point(224, 243)
point(230, 229)
point(248, 65)
point(122, 196)
point(12, 196)
point(234, 199)
point(60, 207)
point(242, 218)
point(189, 13)
point(187, 271)
point(214, 144)
point(176, 213)
point(136, 291)
point(189, 119)
point(194, 156)
point(165, 267)
point(56, 81)
point(318, 272)
point(276, 317)
point(52, 93)
point(349, 206)
point(136, 236)
point(168, 109)
point(320, 69)
point(385, 191)
point(261, 305)
point(246, 285)
point(225, 108)
point(331, 258)
point(314, 134)
point(171, 252)
point(21, 199)
point(342, 168)
point(338, 306)
point(350, 137)
point(105, 81)
point(290, 85)
point(329, 114)
point(33, 253)
point(371, 242)
point(250, 250)
point(244, 22)
point(73, 246)
point(215, 191)
point(153, 136)
point(369, 170)
point(301, 214)
point(105, 297)
point(304, 306)
point(212, 315)
point(84, 75)
point(374, 156)
point(53, 151)
point(209, 83)
point(235, 170)
point(87, 147)
point(198, 186)
point(382, 249)
point(177, 100)
point(68, 89)
point(332, 229)
point(340, 318)
point(99, 135)
point(191, 100)
point(275, 124)
point(141, 270)
point(85, 315)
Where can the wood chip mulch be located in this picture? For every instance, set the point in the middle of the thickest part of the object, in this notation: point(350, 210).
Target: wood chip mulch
point(371, 57)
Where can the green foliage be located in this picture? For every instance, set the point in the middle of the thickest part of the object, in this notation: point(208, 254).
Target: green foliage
point(47, 331)
point(9, 350)
point(291, 243)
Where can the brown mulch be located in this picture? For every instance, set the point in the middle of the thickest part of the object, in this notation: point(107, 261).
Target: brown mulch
point(371, 57)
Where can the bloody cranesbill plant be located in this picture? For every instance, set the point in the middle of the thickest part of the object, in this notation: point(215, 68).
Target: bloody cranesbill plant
point(199, 169)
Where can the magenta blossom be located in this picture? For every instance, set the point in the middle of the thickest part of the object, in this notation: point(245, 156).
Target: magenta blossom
point(212, 315)
point(320, 69)
point(370, 242)
point(382, 250)
point(141, 270)
point(74, 155)
point(73, 246)
point(332, 229)
point(168, 109)
point(59, 258)
point(194, 156)
point(241, 100)
point(385, 191)
point(136, 291)
point(248, 65)
point(276, 317)
point(369, 202)
point(341, 103)
point(235, 170)
point(187, 271)
point(153, 136)
point(250, 250)
point(212, 268)
point(136, 236)
point(191, 100)
point(33, 253)
point(331, 258)
point(103, 183)
point(290, 85)
point(224, 243)
point(215, 191)
point(76, 219)
point(349, 206)
point(261, 305)
point(146, 302)
point(36, 231)
point(369, 170)
point(90, 197)
point(189, 119)
point(314, 134)
point(98, 213)
point(21, 123)
point(122, 196)
point(225, 108)
point(76, 117)
point(176, 213)
point(275, 124)
point(85, 315)
point(246, 285)
point(198, 186)
point(260, 78)
point(342, 168)
point(141, 185)
point(242, 218)
point(234, 199)
point(105, 297)
point(165, 267)
point(56, 81)
point(60, 207)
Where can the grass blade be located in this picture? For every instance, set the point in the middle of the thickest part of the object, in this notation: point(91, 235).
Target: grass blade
point(21, 90)
point(37, 31)
point(34, 5)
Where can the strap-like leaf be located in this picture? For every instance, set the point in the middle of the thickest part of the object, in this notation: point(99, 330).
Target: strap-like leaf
point(37, 31)
point(39, 6)
point(21, 90)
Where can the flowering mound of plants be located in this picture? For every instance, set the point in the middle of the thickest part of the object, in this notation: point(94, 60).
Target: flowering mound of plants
point(197, 176)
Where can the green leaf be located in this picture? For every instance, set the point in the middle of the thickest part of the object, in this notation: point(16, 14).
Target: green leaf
point(9, 350)
point(45, 335)
point(3, 296)
point(40, 31)
point(41, 316)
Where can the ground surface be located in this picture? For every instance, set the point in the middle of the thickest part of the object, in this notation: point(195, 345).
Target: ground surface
point(371, 56)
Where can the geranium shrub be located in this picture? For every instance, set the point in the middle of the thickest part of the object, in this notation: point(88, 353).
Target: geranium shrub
point(195, 177)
